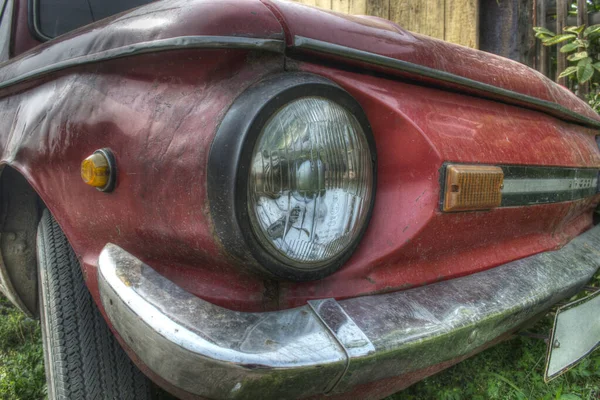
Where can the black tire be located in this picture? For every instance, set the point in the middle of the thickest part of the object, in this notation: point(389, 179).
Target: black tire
point(83, 359)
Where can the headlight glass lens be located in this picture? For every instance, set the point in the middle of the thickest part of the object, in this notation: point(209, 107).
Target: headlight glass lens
point(310, 183)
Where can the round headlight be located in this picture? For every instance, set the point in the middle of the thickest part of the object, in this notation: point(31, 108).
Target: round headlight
point(291, 177)
point(310, 183)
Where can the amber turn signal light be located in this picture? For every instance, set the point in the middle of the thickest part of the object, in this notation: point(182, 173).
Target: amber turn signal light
point(473, 187)
point(97, 170)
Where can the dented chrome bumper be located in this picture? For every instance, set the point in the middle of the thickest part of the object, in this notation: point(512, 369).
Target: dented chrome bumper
point(329, 346)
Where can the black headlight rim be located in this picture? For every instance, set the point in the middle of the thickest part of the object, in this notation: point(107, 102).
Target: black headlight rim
point(234, 145)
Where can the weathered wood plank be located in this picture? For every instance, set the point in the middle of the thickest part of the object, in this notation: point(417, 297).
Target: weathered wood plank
point(461, 22)
point(561, 19)
point(426, 17)
point(358, 7)
point(452, 20)
point(340, 6)
point(379, 8)
point(544, 60)
point(525, 31)
point(326, 4)
point(308, 2)
point(582, 16)
point(582, 19)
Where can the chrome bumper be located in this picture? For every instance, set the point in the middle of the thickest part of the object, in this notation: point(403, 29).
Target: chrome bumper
point(329, 346)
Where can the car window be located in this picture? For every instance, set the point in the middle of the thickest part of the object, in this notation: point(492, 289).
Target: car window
point(55, 17)
point(6, 7)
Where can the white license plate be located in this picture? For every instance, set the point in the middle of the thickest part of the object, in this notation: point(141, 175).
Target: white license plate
point(576, 333)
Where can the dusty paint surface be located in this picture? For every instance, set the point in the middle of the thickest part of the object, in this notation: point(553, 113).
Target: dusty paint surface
point(385, 38)
point(158, 113)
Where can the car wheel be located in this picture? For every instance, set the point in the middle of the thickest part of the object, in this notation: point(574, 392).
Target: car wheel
point(83, 359)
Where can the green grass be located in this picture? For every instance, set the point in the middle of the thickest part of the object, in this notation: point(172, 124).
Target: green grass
point(21, 356)
point(511, 370)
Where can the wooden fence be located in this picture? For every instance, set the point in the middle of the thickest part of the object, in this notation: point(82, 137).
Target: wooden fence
point(453, 20)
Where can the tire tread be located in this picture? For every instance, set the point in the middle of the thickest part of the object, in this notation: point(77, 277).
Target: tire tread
point(87, 362)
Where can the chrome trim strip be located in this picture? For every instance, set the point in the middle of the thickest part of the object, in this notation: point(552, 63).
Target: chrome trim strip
point(533, 185)
point(176, 43)
point(422, 327)
point(303, 43)
point(210, 351)
point(530, 185)
point(217, 353)
point(354, 342)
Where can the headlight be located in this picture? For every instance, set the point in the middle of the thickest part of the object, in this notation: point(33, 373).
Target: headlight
point(311, 182)
point(292, 177)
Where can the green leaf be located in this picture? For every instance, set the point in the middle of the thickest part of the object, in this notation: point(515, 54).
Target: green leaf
point(569, 397)
point(574, 29)
point(585, 71)
point(542, 30)
point(559, 39)
point(542, 36)
point(569, 47)
point(584, 61)
point(578, 56)
point(596, 66)
point(568, 71)
point(591, 29)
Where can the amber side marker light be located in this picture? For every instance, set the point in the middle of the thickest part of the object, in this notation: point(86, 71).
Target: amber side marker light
point(98, 170)
point(472, 187)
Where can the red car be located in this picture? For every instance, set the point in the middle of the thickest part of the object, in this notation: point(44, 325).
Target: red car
point(278, 201)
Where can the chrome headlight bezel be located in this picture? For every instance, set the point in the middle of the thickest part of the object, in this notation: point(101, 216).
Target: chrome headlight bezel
point(229, 165)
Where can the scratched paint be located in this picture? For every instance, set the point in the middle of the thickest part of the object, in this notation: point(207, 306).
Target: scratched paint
point(158, 113)
point(385, 38)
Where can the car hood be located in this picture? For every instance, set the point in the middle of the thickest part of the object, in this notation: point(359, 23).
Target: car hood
point(376, 36)
point(442, 64)
point(173, 21)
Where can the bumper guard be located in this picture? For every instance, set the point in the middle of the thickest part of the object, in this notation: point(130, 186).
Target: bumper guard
point(329, 346)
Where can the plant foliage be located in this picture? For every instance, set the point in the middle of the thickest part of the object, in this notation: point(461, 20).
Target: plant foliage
point(582, 44)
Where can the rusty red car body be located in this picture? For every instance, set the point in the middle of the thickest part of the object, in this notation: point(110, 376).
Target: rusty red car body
point(140, 85)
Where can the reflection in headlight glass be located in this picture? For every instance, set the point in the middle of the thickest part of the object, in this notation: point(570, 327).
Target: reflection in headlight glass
point(311, 181)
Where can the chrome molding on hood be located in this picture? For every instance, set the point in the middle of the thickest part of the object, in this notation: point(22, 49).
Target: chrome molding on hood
point(509, 96)
point(302, 43)
point(175, 43)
